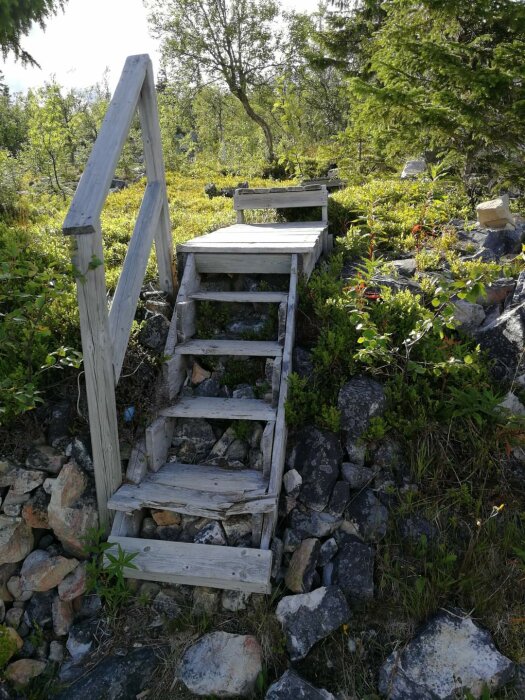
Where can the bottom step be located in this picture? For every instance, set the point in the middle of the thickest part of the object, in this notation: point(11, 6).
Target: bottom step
point(232, 568)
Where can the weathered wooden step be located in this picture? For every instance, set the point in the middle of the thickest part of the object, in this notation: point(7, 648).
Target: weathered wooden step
point(203, 490)
point(243, 263)
point(241, 297)
point(232, 568)
point(221, 409)
point(243, 348)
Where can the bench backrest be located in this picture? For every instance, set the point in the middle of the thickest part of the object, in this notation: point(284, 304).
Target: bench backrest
point(281, 198)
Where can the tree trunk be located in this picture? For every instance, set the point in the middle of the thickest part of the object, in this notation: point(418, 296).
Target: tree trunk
point(268, 137)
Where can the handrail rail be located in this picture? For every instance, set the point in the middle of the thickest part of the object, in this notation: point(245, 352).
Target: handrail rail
point(105, 335)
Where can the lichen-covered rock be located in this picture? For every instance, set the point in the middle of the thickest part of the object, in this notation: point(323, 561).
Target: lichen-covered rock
point(291, 686)
point(34, 511)
point(316, 456)
point(193, 439)
point(357, 476)
point(154, 333)
point(309, 617)
point(468, 316)
point(449, 656)
point(354, 569)
point(359, 400)
point(504, 339)
point(222, 664)
point(369, 514)
point(16, 539)
point(41, 571)
point(310, 523)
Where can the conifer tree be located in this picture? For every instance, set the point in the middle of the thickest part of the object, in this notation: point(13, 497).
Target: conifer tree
point(16, 18)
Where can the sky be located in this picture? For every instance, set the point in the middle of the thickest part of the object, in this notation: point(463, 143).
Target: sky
point(90, 36)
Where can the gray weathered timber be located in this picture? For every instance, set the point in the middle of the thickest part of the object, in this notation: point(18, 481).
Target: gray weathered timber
point(241, 297)
point(245, 348)
point(84, 213)
point(280, 198)
point(232, 568)
point(244, 262)
point(158, 441)
point(122, 312)
point(98, 367)
point(138, 463)
point(220, 409)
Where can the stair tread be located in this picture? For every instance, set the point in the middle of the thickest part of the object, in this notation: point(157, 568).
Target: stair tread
point(232, 568)
point(245, 348)
point(242, 297)
point(219, 408)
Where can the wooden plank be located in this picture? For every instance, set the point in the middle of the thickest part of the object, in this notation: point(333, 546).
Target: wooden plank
point(270, 264)
point(238, 348)
point(158, 441)
point(279, 442)
point(281, 200)
point(257, 526)
point(154, 160)
point(249, 247)
point(98, 367)
point(241, 297)
point(273, 227)
point(276, 380)
point(232, 568)
point(127, 524)
point(205, 477)
point(175, 370)
point(220, 409)
point(123, 308)
point(266, 447)
point(186, 320)
point(84, 212)
point(138, 463)
point(202, 504)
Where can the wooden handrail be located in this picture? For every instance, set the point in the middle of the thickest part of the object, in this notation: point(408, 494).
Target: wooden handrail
point(105, 336)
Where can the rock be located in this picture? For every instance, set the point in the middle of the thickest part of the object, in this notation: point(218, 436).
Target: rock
point(211, 534)
point(358, 477)
point(59, 426)
point(504, 339)
point(238, 530)
point(166, 517)
point(21, 480)
point(116, 677)
point(41, 571)
point(302, 362)
point(338, 499)
point(80, 453)
point(505, 241)
point(154, 333)
point(243, 391)
point(199, 374)
point(16, 539)
point(208, 388)
point(277, 548)
point(10, 643)
point(359, 400)
point(292, 481)
point(62, 611)
point(72, 509)
point(511, 404)
point(22, 671)
point(74, 584)
point(237, 451)
point(38, 612)
point(369, 514)
point(166, 605)
point(414, 527)
point(406, 268)
point(81, 638)
point(498, 291)
point(6, 573)
point(56, 652)
point(518, 296)
point(205, 601)
point(449, 656)
point(14, 616)
point(193, 439)
point(87, 607)
point(327, 552)
point(2, 610)
point(234, 601)
point(413, 168)
point(354, 569)
point(310, 523)
point(222, 664)
point(316, 456)
point(34, 511)
point(291, 540)
point(495, 212)
point(310, 617)
point(468, 316)
point(301, 570)
point(291, 686)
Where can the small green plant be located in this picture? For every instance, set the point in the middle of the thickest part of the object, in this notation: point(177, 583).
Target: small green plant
point(105, 571)
point(8, 646)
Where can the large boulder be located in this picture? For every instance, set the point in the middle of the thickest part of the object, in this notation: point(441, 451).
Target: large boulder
point(354, 569)
point(450, 656)
point(504, 339)
point(369, 515)
point(41, 571)
point(495, 212)
point(309, 617)
point(359, 400)
point(291, 686)
point(316, 456)
point(222, 664)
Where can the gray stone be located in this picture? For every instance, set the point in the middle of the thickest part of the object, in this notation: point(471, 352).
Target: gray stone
point(238, 530)
point(302, 362)
point(16, 540)
point(38, 612)
point(13, 617)
point(292, 481)
point(328, 551)
point(211, 534)
point(193, 439)
point(369, 514)
point(277, 548)
point(291, 686)
point(56, 652)
point(81, 639)
point(468, 316)
point(413, 168)
point(339, 498)
point(116, 677)
point(208, 388)
point(498, 291)
point(511, 404)
point(234, 601)
point(59, 425)
point(406, 268)
point(309, 617)
point(310, 523)
point(81, 453)
point(414, 527)
point(243, 391)
point(237, 451)
point(358, 477)
point(301, 570)
point(359, 400)
point(518, 296)
point(354, 569)
point(505, 241)
point(222, 664)
point(291, 540)
point(449, 656)
point(166, 605)
point(504, 339)
point(154, 333)
point(205, 601)
point(316, 456)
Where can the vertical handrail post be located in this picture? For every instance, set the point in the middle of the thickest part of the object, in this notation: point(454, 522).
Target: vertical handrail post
point(88, 264)
point(154, 160)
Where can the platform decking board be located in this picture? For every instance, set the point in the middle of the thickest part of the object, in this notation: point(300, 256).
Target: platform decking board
point(232, 568)
point(220, 409)
point(207, 477)
point(270, 264)
point(243, 348)
point(241, 297)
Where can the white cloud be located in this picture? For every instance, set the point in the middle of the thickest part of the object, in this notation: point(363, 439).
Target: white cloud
point(90, 36)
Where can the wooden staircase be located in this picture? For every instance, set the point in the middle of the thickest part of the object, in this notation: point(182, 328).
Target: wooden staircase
point(152, 481)
point(210, 491)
